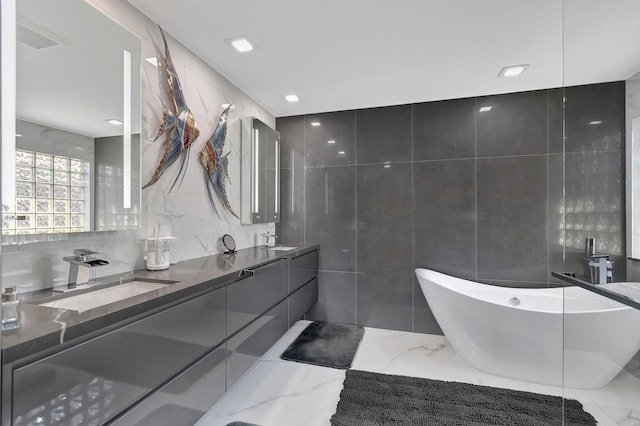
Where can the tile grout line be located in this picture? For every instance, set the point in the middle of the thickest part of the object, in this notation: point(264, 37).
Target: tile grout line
point(475, 166)
point(355, 183)
point(413, 214)
point(548, 202)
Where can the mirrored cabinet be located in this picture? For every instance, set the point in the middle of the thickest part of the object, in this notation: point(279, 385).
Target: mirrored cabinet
point(260, 179)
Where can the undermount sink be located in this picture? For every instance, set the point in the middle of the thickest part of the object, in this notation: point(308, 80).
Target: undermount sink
point(282, 248)
point(104, 296)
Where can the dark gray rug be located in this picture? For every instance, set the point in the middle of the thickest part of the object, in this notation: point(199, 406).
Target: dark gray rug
point(325, 344)
point(381, 399)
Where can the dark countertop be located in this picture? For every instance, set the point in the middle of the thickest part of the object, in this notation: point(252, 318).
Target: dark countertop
point(627, 293)
point(43, 328)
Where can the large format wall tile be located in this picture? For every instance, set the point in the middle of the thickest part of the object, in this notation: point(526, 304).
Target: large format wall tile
point(331, 215)
point(292, 132)
point(423, 319)
point(337, 127)
point(384, 236)
point(594, 117)
point(336, 298)
point(555, 118)
point(444, 222)
point(515, 125)
point(444, 130)
point(290, 229)
point(469, 193)
point(383, 134)
point(556, 215)
point(384, 301)
point(512, 210)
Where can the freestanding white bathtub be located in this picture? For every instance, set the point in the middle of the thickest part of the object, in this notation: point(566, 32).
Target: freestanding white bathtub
point(556, 336)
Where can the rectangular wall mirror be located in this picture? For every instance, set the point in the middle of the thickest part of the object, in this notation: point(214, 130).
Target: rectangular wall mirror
point(71, 133)
point(260, 200)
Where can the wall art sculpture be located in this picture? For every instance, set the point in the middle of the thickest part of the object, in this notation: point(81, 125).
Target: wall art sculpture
point(177, 119)
point(216, 165)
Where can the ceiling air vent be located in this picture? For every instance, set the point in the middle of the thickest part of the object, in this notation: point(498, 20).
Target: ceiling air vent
point(36, 36)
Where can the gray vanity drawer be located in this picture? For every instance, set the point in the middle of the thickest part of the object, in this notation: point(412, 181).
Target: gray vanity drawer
point(96, 380)
point(302, 300)
point(302, 269)
point(252, 342)
point(247, 299)
point(186, 398)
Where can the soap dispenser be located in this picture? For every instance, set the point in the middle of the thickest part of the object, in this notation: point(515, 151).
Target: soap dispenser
point(10, 309)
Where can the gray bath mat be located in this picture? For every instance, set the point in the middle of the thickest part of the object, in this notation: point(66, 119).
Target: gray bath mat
point(381, 399)
point(325, 344)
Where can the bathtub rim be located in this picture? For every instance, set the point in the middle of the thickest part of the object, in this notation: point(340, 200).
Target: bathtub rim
point(512, 291)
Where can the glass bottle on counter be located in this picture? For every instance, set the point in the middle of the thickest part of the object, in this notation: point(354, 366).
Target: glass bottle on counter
point(10, 308)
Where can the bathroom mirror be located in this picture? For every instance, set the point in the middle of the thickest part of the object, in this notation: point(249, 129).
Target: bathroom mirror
point(229, 243)
point(260, 173)
point(71, 133)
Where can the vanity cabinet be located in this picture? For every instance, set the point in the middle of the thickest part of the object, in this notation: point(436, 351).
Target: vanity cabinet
point(260, 173)
point(254, 341)
point(184, 399)
point(302, 269)
point(97, 379)
point(170, 367)
point(302, 300)
point(251, 297)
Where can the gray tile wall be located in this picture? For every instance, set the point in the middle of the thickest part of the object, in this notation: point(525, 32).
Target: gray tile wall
point(440, 185)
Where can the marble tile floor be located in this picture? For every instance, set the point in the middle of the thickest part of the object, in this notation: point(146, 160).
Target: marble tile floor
point(278, 392)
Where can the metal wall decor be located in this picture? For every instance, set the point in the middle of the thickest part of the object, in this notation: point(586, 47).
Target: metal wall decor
point(216, 165)
point(178, 119)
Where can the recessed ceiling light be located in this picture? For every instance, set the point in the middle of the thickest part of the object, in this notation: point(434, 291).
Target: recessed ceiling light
point(485, 108)
point(331, 142)
point(513, 70)
point(225, 106)
point(242, 45)
point(153, 61)
point(387, 164)
point(79, 148)
point(292, 98)
point(341, 152)
point(595, 122)
point(315, 123)
point(18, 135)
point(114, 121)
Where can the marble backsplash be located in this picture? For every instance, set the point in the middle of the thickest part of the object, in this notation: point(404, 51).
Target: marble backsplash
point(186, 209)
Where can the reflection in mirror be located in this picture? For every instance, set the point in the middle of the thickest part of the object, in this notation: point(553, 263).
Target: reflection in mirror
point(260, 168)
point(77, 112)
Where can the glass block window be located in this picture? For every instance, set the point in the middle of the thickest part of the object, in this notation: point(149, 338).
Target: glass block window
point(52, 195)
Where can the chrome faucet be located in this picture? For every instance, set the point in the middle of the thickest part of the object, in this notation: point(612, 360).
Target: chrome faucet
point(267, 238)
point(80, 265)
point(601, 268)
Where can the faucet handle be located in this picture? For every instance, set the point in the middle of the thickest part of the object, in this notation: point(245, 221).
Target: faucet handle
point(83, 254)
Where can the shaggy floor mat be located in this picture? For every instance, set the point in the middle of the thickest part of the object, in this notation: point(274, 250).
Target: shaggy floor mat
point(325, 344)
point(381, 399)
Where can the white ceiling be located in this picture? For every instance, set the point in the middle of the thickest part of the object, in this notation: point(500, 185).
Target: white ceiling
point(345, 54)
